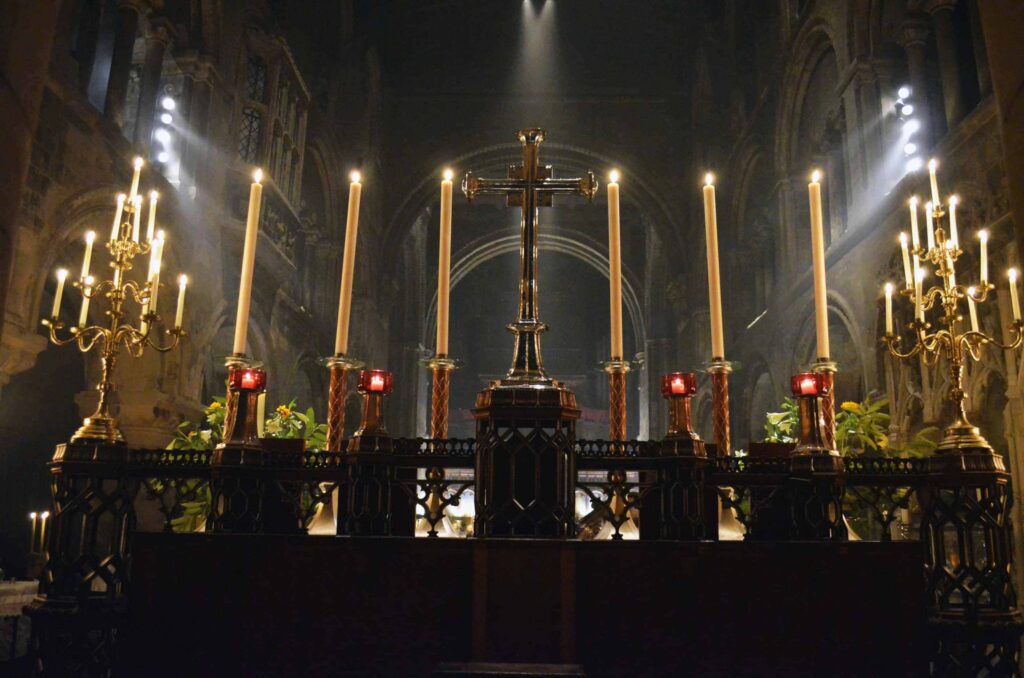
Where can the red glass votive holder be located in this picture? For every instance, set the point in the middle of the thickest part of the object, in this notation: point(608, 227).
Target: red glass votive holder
point(678, 384)
point(808, 384)
point(376, 381)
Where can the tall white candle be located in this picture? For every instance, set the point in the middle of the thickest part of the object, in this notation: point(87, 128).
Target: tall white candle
point(1014, 300)
point(971, 291)
point(137, 164)
point(83, 317)
point(615, 265)
point(137, 218)
point(252, 227)
point(916, 238)
point(90, 236)
point(180, 312)
point(928, 207)
point(818, 260)
point(983, 237)
point(949, 263)
point(155, 258)
point(953, 202)
point(908, 273)
point(714, 276)
point(919, 294)
point(62, 275)
point(115, 231)
point(151, 223)
point(444, 263)
point(933, 165)
point(888, 308)
point(348, 264)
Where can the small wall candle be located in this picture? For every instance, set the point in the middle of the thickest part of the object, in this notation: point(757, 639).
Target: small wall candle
point(888, 308)
point(154, 268)
point(928, 206)
point(115, 231)
point(90, 236)
point(62, 275)
point(137, 164)
point(933, 165)
point(151, 223)
point(86, 292)
point(42, 530)
point(953, 202)
point(180, 312)
point(137, 218)
point(348, 264)
point(32, 537)
point(916, 237)
point(971, 291)
point(908, 272)
point(252, 226)
point(818, 258)
point(1014, 300)
point(983, 237)
point(949, 263)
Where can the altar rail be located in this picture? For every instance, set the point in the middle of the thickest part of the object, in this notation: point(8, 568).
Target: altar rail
point(958, 506)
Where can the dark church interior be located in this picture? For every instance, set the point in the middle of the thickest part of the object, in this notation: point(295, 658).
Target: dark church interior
point(275, 277)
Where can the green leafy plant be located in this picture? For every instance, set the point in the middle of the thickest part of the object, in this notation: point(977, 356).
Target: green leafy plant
point(780, 427)
point(285, 422)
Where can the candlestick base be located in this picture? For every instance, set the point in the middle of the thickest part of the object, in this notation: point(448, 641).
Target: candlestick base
point(617, 370)
point(441, 368)
point(100, 429)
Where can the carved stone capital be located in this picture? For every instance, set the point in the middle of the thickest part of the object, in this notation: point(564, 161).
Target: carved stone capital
point(913, 32)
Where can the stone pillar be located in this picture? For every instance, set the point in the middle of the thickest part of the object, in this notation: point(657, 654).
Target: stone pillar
point(157, 38)
point(1003, 23)
point(913, 36)
point(27, 34)
point(121, 60)
point(980, 51)
point(949, 63)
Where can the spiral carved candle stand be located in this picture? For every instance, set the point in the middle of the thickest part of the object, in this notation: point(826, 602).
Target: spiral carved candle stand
point(338, 366)
point(719, 370)
point(441, 368)
point(617, 370)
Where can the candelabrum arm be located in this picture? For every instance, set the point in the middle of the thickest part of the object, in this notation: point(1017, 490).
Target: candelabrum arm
point(973, 341)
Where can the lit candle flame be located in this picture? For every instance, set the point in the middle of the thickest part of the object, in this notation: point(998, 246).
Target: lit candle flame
point(182, 280)
point(355, 176)
point(933, 164)
point(613, 176)
point(888, 289)
point(954, 200)
point(257, 176)
point(983, 235)
point(62, 274)
point(90, 236)
point(1012, 273)
point(913, 201)
point(138, 162)
point(448, 174)
point(972, 290)
point(903, 238)
point(815, 176)
point(709, 179)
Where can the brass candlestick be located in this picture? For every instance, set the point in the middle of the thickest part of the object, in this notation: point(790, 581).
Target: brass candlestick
point(719, 370)
point(827, 369)
point(617, 370)
point(441, 368)
point(947, 340)
point(124, 246)
point(339, 366)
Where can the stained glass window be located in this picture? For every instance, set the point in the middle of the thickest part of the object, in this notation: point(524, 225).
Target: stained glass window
point(256, 79)
point(249, 134)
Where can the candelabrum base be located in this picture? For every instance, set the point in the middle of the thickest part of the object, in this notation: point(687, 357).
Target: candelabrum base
point(99, 428)
point(963, 437)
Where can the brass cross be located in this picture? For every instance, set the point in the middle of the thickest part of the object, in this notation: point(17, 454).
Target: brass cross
point(529, 186)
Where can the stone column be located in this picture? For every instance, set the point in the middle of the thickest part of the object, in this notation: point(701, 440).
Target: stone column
point(121, 60)
point(199, 93)
point(1003, 23)
point(88, 34)
point(157, 38)
point(27, 33)
point(949, 64)
point(913, 36)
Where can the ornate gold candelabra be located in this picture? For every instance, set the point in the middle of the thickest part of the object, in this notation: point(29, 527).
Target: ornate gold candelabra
point(945, 338)
point(125, 244)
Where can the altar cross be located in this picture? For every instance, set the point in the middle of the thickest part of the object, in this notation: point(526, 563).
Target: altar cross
point(529, 186)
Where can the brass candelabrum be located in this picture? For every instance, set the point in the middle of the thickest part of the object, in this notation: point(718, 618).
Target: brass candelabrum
point(946, 338)
point(124, 246)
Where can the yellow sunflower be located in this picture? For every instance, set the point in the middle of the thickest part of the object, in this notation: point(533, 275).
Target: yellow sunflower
point(284, 411)
point(850, 406)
